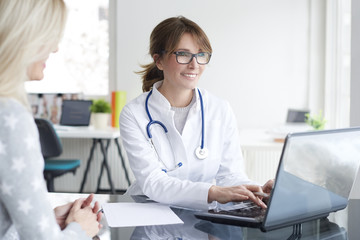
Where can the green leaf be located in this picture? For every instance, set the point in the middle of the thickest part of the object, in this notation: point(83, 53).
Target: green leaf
point(100, 106)
point(316, 121)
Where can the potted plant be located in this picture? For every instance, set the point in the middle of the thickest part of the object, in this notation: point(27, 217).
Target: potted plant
point(101, 111)
point(316, 121)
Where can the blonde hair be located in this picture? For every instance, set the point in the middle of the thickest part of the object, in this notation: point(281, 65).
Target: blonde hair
point(29, 31)
point(164, 39)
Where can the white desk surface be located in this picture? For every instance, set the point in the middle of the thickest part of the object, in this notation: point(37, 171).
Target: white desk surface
point(255, 138)
point(86, 132)
point(267, 137)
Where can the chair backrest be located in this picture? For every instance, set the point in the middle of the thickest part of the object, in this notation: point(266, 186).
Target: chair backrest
point(50, 142)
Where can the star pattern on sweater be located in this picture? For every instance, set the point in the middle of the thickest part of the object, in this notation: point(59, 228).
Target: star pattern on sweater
point(37, 183)
point(6, 188)
point(18, 164)
point(22, 186)
point(43, 223)
point(11, 121)
point(24, 206)
point(30, 142)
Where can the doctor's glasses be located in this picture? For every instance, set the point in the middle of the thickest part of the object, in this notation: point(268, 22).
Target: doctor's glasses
point(202, 58)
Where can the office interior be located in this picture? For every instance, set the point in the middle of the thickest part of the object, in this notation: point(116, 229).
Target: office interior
point(268, 57)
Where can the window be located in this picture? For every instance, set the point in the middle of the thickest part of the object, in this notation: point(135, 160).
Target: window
point(81, 64)
point(337, 73)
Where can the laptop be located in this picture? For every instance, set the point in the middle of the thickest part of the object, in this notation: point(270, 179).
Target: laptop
point(296, 116)
point(75, 112)
point(315, 175)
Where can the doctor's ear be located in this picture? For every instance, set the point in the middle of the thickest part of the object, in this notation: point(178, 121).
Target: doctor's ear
point(157, 61)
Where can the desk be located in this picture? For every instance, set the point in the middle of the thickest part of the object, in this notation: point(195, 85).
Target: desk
point(101, 137)
point(344, 225)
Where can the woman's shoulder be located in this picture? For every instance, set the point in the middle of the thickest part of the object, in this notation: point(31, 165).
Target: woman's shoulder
point(11, 108)
point(14, 116)
point(11, 105)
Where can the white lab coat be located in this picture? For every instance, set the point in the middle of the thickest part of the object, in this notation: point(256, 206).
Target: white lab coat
point(188, 185)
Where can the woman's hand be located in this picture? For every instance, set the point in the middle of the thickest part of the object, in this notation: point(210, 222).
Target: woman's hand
point(86, 217)
point(62, 212)
point(96, 207)
point(235, 194)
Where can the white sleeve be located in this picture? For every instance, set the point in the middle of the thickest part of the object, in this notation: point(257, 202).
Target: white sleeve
point(146, 167)
point(23, 193)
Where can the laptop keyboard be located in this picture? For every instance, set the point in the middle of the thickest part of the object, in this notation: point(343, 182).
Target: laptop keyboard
point(242, 209)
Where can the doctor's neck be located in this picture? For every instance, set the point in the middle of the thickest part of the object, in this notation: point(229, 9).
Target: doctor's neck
point(177, 97)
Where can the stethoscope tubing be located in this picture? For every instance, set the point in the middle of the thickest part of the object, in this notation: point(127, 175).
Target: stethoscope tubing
point(151, 121)
point(202, 121)
point(200, 152)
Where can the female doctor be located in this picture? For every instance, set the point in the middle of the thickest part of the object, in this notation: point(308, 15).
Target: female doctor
point(181, 141)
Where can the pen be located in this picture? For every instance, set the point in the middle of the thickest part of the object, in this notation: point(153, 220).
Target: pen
point(261, 194)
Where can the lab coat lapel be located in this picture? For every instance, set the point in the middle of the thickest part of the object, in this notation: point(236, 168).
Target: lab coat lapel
point(192, 129)
point(161, 110)
point(191, 135)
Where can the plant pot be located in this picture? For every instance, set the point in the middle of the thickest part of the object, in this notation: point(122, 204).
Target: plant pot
point(101, 120)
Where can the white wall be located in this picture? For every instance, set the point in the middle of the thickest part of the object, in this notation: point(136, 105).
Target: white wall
point(260, 58)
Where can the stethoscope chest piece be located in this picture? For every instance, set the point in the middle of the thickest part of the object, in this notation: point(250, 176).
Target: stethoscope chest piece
point(201, 153)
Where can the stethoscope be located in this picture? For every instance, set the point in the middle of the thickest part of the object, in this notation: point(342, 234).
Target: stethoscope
point(200, 152)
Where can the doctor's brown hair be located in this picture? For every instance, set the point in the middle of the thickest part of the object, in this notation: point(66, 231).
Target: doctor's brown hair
point(164, 39)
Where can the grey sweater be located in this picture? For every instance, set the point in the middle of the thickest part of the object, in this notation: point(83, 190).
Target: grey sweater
point(25, 212)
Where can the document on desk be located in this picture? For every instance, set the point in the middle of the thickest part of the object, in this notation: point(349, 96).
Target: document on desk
point(139, 214)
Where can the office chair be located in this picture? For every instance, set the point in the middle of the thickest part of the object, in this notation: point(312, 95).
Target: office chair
point(51, 147)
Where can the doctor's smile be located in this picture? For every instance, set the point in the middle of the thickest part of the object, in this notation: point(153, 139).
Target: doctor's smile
point(189, 75)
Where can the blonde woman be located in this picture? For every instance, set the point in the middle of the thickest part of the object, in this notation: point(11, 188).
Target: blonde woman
point(29, 32)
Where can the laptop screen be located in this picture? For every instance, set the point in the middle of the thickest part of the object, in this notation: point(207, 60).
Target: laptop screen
point(315, 176)
point(75, 112)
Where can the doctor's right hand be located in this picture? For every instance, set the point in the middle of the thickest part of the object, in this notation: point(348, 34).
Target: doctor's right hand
point(235, 194)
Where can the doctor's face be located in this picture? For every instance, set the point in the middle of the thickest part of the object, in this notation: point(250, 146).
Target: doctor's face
point(182, 76)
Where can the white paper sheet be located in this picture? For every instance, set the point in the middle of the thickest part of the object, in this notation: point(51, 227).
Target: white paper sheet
point(139, 214)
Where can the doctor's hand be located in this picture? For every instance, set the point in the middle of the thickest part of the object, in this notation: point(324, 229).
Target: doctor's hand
point(235, 194)
point(268, 186)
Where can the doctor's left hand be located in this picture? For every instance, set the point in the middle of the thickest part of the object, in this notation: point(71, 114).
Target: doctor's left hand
point(268, 186)
point(235, 194)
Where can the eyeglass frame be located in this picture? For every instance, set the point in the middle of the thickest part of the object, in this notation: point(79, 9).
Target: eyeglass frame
point(192, 56)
